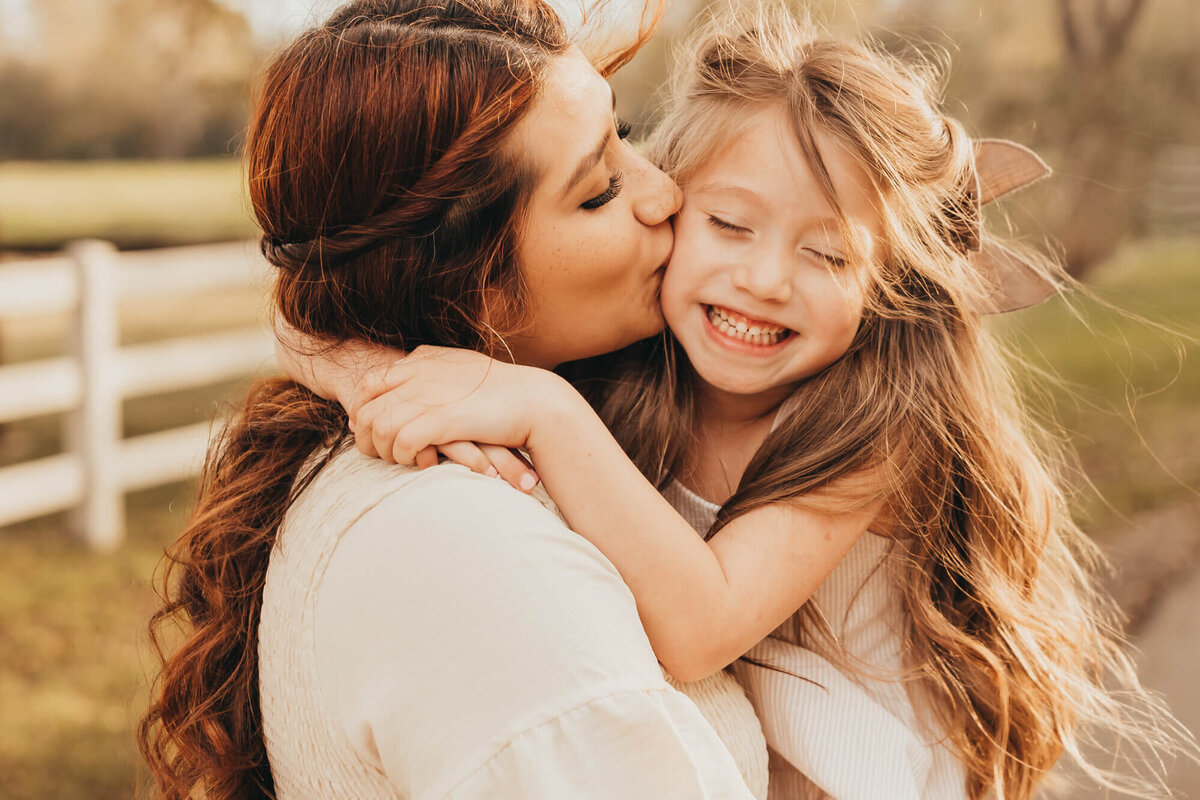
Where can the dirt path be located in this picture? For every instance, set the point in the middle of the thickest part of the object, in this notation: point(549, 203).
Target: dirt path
point(1157, 555)
point(1169, 662)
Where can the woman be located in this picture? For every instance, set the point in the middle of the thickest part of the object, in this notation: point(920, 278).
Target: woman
point(428, 173)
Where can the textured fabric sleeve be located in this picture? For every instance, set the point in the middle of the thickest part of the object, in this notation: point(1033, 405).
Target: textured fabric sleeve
point(829, 728)
point(471, 646)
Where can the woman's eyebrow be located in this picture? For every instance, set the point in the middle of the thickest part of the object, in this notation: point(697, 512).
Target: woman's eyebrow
point(591, 159)
point(587, 164)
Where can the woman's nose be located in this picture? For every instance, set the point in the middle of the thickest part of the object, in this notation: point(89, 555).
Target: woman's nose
point(658, 196)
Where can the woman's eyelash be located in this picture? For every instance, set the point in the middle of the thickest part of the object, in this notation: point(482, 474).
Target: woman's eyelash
point(614, 189)
point(623, 129)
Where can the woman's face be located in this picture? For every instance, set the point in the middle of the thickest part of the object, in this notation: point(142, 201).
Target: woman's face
point(598, 232)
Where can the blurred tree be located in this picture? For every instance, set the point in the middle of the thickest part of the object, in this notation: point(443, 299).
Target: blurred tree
point(1102, 88)
point(128, 78)
point(1096, 129)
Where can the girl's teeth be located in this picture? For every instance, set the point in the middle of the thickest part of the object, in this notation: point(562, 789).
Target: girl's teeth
point(753, 334)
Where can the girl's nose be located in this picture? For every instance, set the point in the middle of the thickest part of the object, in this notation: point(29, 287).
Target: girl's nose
point(658, 196)
point(766, 279)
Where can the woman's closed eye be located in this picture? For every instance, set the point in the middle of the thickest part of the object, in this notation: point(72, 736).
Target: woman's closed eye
point(614, 189)
point(614, 182)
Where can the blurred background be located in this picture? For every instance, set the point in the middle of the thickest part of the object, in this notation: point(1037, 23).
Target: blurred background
point(121, 120)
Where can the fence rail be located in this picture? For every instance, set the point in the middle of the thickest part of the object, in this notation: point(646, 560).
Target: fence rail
point(1173, 199)
point(98, 465)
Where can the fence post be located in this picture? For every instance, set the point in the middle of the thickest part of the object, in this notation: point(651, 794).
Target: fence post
point(94, 430)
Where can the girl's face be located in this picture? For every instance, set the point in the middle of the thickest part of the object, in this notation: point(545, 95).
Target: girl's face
point(598, 231)
point(759, 291)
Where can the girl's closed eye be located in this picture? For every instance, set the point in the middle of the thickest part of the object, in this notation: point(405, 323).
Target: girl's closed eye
point(837, 262)
point(723, 225)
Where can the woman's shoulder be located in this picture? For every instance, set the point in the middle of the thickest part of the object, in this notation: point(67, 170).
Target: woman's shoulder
point(375, 521)
point(452, 605)
point(350, 485)
point(380, 521)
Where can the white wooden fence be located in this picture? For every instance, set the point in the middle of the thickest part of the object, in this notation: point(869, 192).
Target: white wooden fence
point(98, 464)
point(1173, 196)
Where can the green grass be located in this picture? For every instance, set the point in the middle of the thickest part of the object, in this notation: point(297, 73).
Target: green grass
point(1128, 390)
point(132, 203)
point(72, 653)
point(72, 624)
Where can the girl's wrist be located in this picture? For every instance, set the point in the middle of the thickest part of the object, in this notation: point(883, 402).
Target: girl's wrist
point(559, 409)
point(356, 372)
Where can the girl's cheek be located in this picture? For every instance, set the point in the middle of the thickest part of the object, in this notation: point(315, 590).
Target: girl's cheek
point(673, 293)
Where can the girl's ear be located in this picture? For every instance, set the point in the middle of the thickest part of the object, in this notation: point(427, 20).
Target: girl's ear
point(1004, 167)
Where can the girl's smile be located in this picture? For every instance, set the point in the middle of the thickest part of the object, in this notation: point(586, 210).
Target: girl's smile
point(743, 333)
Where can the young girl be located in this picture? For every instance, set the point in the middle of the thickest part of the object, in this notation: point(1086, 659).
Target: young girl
point(887, 560)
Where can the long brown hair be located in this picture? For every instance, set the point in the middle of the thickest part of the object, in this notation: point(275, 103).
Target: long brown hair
point(1007, 632)
point(390, 200)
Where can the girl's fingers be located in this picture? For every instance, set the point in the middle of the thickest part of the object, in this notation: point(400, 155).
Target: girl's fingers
point(369, 387)
point(427, 457)
point(407, 444)
point(363, 430)
point(471, 456)
point(511, 467)
point(378, 425)
point(369, 435)
point(384, 438)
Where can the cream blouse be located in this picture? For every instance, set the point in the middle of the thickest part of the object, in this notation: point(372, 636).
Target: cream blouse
point(438, 634)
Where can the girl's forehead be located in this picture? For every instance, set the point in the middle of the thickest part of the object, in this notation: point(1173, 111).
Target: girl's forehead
point(763, 164)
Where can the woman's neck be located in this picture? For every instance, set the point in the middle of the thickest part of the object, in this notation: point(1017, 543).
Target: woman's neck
point(730, 428)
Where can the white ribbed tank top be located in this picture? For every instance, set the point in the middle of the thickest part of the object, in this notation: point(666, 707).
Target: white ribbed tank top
point(834, 732)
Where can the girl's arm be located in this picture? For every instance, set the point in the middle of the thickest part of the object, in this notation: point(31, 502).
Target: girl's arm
point(703, 604)
point(334, 371)
point(354, 372)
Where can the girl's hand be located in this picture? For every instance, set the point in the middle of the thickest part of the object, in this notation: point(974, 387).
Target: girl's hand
point(486, 459)
point(353, 373)
point(447, 398)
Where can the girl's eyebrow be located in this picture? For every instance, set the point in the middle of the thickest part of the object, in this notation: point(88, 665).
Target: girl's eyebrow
point(740, 192)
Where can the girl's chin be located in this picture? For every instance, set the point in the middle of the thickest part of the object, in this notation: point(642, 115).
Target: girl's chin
point(730, 382)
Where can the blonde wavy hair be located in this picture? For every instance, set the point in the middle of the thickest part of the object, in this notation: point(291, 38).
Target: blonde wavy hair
point(1021, 653)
